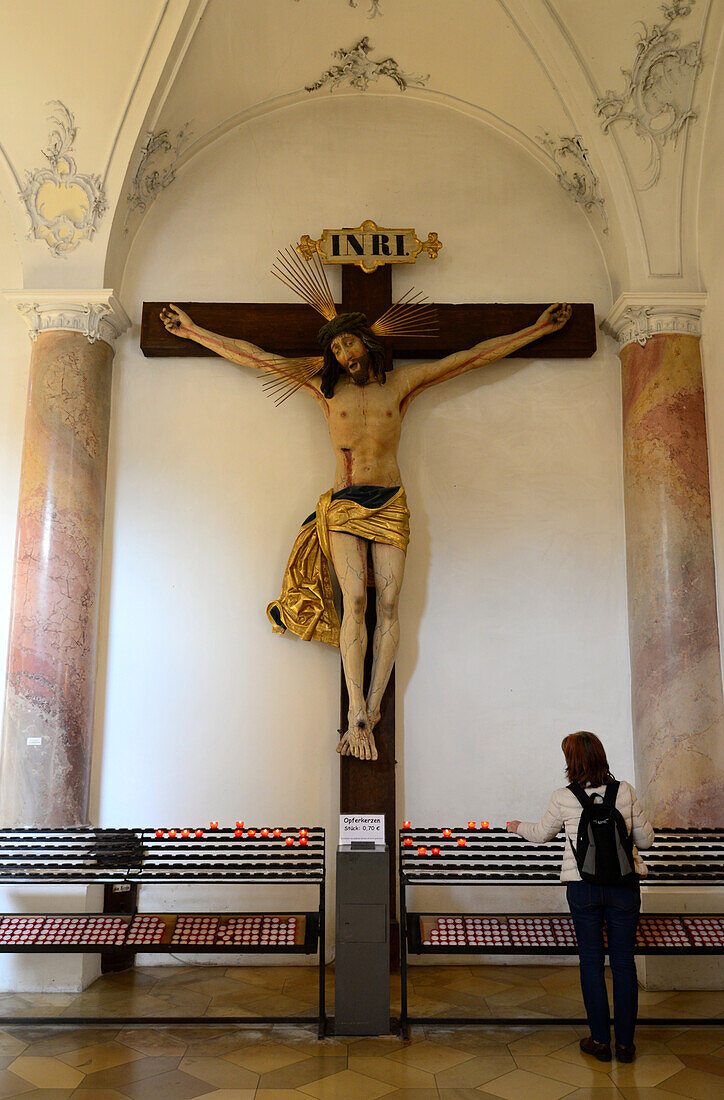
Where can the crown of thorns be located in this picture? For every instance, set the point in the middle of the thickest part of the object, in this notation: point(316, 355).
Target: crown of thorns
point(410, 315)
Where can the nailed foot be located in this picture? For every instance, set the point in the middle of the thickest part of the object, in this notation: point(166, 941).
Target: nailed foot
point(358, 740)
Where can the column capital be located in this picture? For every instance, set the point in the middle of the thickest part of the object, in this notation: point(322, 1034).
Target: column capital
point(96, 314)
point(640, 316)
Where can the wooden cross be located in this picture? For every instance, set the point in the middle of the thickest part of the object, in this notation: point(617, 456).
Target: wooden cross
point(290, 330)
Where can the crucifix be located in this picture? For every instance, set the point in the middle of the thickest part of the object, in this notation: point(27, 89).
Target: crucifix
point(360, 525)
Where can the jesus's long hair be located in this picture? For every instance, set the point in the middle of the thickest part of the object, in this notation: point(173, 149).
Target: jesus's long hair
point(332, 370)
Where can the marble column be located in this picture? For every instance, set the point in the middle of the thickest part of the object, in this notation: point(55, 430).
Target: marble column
point(48, 717)
point(676, 683)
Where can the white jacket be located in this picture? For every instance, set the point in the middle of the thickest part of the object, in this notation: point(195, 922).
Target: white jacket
point(565, 810)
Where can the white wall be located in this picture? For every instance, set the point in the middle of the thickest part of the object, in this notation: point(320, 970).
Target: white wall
point(513, 609)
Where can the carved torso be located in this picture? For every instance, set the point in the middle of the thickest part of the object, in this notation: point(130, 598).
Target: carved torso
point(364, 426)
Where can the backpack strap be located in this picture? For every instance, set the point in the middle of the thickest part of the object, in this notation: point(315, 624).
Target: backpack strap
point(580, 794)
point(609, 798)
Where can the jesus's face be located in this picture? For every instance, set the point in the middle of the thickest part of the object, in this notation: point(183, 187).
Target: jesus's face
point(352, 356)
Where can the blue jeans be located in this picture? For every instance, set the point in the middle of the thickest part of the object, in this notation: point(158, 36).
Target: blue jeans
point(619, 906)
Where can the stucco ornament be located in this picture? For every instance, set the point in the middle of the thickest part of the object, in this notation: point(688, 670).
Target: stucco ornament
point(659, 88)
point(64, 205)
point(373, 10)
point(575, 173)
point(95, 314)
point(356, 69)
point(156, 169)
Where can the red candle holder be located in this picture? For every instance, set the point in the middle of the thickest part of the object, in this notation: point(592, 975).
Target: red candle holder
point(406, 825)
point(422, 851)
point(159, 833)
point(461, 842)
point(277, 832)
point(251, 832)
point(484, 824)
point(303, 840)
point(435, 851)
point(471, 824)
point(238, 832)
point(240, 825)
point(213, 824)
point(172, 833)
point(199, 832)
point(289, 841)
point(407, 841)
point(265, 832)
point(185, 833)
point(447, 832)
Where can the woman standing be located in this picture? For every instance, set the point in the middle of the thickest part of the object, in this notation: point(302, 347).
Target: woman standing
point(590, 903)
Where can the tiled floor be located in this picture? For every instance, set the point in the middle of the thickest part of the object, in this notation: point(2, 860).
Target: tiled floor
point(280, 1062)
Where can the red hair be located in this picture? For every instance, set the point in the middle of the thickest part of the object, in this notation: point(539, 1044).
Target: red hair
point(586, 761)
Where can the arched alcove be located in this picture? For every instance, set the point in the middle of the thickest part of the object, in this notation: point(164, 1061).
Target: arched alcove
point(513, 611)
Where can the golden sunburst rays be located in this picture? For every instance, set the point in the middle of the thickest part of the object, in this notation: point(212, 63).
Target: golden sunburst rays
point(411, 315)
point(286, 376)
point(308, 280)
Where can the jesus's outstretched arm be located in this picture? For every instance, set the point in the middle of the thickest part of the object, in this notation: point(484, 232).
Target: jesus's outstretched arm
point(413, 380)
point(237, 351)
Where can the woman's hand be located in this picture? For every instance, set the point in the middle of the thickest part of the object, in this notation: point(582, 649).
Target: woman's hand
point(176, 321)
point(512, 826)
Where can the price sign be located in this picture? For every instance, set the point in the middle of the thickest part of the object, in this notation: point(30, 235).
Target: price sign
point(370, 827)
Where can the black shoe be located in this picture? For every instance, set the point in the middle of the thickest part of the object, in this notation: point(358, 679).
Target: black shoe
point(625, 1054)
point(602, 1051)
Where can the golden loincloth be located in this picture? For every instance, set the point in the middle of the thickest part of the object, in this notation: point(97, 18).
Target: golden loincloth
point(306, 605)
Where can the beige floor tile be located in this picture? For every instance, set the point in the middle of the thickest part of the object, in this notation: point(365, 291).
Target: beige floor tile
point(696, 1040)
point(543, 1041)
point(270, 977)
point(66, 1039)
point(270, 1094)
point(150, 1041)
point(97, 1094)
point(175, 1085)
point(417, 1094)
point(304, 1072)
point(46, 1072)
point(478, 986)
point(377, 1047)
point(47, 1094)
point(391, 1072)
point(652, 997)
point(696, 1084)
point(347, 1086)
point(518, 994)
point(520, 1085)
point(231, 1094)
point(431, 1057)
point(121, 1077)
point(90, 1059)
point(556, 1070)
point(603, 1093)
point(219, 1072)
point(266, 1057)
point(476, 1071)
point(11, 1045)
point(573, 1054)
point(12, 1085)
point(630, 1092)
point(648, 1070)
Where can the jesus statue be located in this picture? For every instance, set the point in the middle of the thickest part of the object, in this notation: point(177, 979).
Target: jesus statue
point(365, 510)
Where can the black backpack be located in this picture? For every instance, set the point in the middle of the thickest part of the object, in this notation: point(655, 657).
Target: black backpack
point(604, 849)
